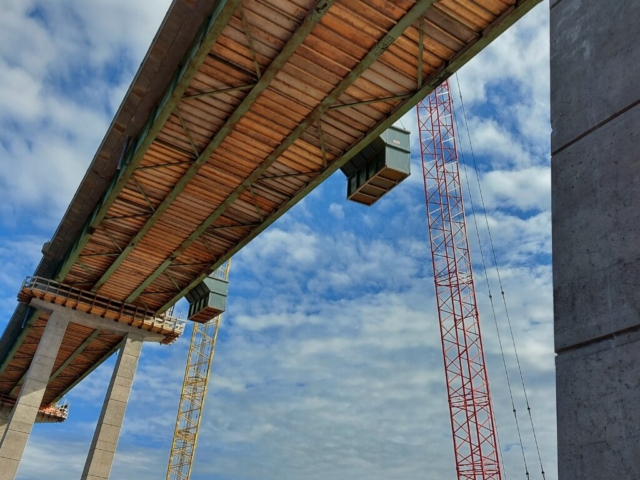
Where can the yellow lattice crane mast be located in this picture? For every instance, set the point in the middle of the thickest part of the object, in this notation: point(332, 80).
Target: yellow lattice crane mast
point(194, 392)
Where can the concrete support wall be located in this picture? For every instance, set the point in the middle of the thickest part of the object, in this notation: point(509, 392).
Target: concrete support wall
point(25, 411)
point(595, 116)
point(105, 438)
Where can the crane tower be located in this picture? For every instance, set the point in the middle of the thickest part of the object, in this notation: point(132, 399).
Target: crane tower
point(472, 420)
point(194, 392)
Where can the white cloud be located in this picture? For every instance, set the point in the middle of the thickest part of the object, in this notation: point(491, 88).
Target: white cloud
point(526, 189)
point(329, 362)
point(336, 210)
point(65, 67)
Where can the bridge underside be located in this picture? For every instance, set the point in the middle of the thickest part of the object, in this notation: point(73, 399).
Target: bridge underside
point(270, 99)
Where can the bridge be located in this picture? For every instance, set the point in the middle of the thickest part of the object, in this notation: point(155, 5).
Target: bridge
point(239, 110)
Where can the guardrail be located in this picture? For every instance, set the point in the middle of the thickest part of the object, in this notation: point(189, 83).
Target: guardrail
point(90, 302)
point(59, 411)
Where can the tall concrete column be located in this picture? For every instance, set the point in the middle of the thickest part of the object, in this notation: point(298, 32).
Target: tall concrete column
point(105, 438)
point(595, 116)
point(25, 411)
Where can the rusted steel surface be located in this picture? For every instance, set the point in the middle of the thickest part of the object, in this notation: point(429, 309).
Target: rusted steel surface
point(271, 99)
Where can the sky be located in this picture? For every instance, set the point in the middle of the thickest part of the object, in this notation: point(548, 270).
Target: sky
point(328, 362)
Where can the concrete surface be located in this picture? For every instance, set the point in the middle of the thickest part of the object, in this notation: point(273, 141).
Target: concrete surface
point(25, 411)
point(595, 116)
point(105, 438)
point(600, 434)
point(596, 207)
point(593, 48)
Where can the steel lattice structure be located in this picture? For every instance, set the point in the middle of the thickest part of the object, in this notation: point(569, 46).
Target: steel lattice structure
point(472, 419)
point(194, 392)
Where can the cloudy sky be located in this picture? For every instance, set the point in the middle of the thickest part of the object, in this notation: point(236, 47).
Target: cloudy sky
point(328, 362)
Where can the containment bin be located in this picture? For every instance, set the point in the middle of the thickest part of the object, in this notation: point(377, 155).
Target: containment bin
point(379, 167)
point(208, 299)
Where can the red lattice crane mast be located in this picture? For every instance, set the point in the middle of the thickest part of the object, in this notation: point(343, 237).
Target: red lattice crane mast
point(472, 420)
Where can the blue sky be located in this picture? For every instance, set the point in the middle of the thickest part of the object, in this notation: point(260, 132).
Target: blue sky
point(328, 362)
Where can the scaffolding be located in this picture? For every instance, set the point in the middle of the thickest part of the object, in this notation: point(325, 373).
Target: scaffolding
point(194, 392)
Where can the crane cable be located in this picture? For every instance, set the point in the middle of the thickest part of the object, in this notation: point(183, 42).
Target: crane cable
point(495, 318)
point(502, 292)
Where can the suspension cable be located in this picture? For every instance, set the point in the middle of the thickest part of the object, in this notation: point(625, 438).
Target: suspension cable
point(502, 292)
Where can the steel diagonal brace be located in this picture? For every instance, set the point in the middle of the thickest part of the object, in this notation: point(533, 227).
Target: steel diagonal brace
point(398, 29)
point(322, 146)
point(400, 96)
point(489, 34)
point(111, 238)
point(255, 204)
point(104, 254)
point(207, 246)
point(321, 7)
point(254, 56)
point(212, 93)
point(87, 372)
point(205, 39)
point(187, 132)
point(143, 193)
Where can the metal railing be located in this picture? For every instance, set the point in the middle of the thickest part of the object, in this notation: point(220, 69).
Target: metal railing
point(99, 305)
point(59, 410)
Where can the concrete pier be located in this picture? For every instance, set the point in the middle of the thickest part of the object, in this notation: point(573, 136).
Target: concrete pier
point(25, 411)
point(595, 116)
point(105, 438)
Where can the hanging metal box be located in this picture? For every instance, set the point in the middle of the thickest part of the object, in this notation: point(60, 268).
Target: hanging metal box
point(208, 299)
point(379, 167)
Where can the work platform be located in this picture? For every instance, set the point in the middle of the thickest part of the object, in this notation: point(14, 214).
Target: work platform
point(85, 340)
point(238, 111)
point(166, 326)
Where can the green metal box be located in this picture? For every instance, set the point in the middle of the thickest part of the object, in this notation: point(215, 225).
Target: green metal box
point(379, 167)
point(208, 299)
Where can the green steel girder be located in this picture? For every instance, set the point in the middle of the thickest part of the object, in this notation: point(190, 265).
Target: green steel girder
point(64, 365)
point(211, 93)
point(401, 96)
point(74, 355)
point(205, 39)
point(114, 254)
point(269, 74)
point(207, 36)
point(513, 14)
point(398, 29)
point(67, 362)
point(86, 374)
point(289, 175)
